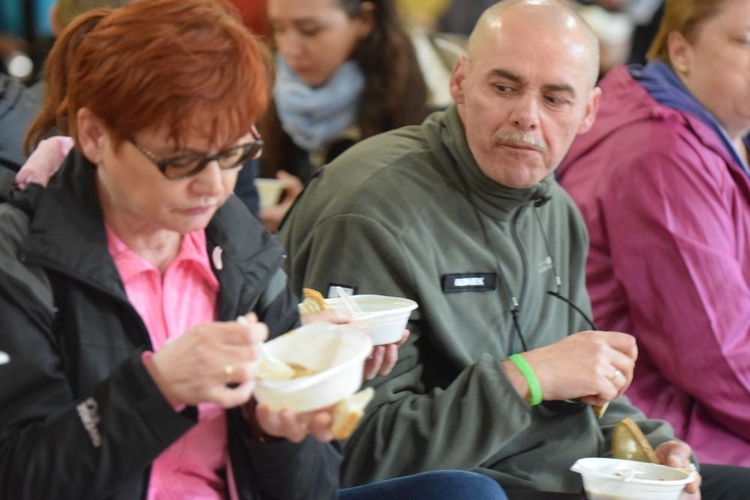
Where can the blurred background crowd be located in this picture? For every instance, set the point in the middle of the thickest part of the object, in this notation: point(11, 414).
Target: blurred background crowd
point(437, 30)
point(625, 27)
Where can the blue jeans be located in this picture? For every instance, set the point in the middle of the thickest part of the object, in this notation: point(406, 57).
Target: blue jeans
point(434, 485)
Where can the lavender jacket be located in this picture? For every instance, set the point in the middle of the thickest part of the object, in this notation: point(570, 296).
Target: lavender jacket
point(668, 211)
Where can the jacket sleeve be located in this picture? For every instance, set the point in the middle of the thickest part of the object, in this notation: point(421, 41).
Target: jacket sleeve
point(54, 446)
point(410, 426)
point(679, 251)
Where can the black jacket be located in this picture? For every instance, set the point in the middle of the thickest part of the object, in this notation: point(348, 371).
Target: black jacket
point(83, 362)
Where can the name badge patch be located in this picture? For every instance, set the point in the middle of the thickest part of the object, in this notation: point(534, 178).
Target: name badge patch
point(469, 282)
point(333, 293)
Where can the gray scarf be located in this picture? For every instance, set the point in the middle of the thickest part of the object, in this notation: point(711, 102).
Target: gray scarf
point(313, 116)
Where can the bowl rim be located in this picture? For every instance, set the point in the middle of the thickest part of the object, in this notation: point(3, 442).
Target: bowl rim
point(402, 304)
point(581, 469)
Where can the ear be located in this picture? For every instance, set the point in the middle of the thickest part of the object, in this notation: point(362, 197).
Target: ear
point(93, 135)
point(458, 75)
point(592, 106)
point(366, 19)
point(679, 50)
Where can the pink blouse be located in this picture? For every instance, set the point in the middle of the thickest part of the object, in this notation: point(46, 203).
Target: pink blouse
point(169, 304)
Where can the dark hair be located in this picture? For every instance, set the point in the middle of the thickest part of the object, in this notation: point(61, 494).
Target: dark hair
point(173, 63)
point(395, 92)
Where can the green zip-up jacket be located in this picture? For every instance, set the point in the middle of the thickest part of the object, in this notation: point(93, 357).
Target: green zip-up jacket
point(410, 214)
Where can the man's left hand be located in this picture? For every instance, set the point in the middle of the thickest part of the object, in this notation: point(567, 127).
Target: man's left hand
point(676, 454)
point(383, 358)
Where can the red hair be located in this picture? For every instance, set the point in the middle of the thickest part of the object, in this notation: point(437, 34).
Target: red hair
point(188, 65)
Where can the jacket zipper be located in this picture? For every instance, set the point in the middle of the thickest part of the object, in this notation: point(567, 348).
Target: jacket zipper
point(522, 254)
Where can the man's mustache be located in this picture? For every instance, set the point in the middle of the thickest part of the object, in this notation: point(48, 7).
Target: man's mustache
point(517, 139)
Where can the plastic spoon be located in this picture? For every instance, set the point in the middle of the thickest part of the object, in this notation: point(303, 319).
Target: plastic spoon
point(348, 301)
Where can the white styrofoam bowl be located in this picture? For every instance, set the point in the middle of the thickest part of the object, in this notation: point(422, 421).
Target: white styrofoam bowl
point(614, 479)
point(385, 316)
point(336, 353)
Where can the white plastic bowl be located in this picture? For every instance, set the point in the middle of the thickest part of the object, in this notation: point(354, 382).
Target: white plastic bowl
point(385, 316)
point(614, 479)
point(269, 191)
point(336, 353)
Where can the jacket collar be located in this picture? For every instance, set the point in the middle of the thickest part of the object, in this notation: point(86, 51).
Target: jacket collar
point(448, 138)
point(67, 235)
point(665, 87)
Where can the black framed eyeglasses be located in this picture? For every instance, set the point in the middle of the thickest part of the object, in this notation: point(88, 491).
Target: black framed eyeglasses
point(189, 164)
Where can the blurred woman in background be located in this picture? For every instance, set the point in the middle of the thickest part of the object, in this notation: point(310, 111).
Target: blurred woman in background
point(346, 70)
point(662, 180)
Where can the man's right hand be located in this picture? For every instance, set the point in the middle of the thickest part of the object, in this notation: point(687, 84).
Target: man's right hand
point(593, 366)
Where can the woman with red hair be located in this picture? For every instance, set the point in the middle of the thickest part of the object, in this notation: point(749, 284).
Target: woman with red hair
point(120, 282)
point(129, 376)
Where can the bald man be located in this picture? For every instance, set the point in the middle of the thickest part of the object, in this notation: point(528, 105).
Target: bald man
point(462, 214)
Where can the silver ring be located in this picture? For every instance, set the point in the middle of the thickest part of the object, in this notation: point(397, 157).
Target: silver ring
point(616, 374)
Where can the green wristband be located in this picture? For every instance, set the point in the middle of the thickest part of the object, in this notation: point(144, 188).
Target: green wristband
point(535, 390)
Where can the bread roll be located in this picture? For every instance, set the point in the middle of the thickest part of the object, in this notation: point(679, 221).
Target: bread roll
point(600, 409)
point(348, 412)
point(313, 302)
point(629, 443)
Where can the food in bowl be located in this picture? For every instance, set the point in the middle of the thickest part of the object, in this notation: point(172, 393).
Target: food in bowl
point(335, 356)
point(385, 316)
point(268, 370)
point(615, 479)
